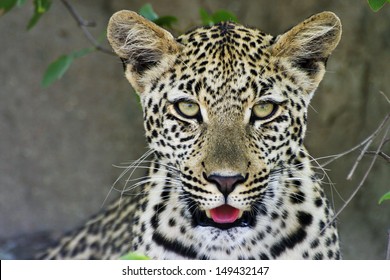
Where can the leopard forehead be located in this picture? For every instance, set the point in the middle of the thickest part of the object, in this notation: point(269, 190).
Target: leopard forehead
point(226, 67)
point(225, 45)
point(225, 59)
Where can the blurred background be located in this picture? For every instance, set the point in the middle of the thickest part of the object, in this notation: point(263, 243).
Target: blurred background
point(59, 145)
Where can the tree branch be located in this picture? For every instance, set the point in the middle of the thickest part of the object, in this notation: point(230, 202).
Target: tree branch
point(377, 152)
point(84, 24)
point(381, 154)
point(365, 142)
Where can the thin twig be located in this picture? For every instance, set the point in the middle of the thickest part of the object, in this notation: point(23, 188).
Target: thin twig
point(84, 24)
point(350, 174)
point(363, 179)
point(385, 96)
point(368, 139)
point(381, 154)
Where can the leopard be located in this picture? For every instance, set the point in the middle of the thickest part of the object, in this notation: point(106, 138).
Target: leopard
point(225, 115)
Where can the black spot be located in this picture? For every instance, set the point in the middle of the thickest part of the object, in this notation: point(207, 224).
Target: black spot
point(74, 252)
point(155, 109)
point(314, 244)
point(297, 183)
point(297, 198)
point(254, 87)
point(260, 236)
point(201, 70)
point(274, 216)
point(338, 256)
point(318, 256)
point(322, 227)
point(318, 202)
point(197, 87)
point(334, 238)
point(304, 218)
point(135, 220)
point(288, 242)
point(174, 246)
point(94, 228)
point(263, 256)
point(154, 221)
point(172, 222)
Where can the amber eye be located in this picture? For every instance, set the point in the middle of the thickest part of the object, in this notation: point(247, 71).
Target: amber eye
point(187, 109)
point(263, 111)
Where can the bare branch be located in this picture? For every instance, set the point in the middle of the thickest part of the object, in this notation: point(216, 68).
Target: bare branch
point(84, 24)
point(385, 96)
point(384, 138)
point(369, 139)
point(350, 174)
point(381, 154)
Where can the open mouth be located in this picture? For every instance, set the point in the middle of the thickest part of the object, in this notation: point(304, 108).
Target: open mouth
point(223, 217)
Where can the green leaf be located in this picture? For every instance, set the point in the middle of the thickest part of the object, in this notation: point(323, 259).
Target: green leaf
point(40, 7)
point(56, 69)
point(376, 5)
point(166, 21)
point(218, 16)
point(147, 12)
point(81, 53)
point(223, 15)
point(7, 5)
point(386, 196)
point(134, 256)
point(205, 17)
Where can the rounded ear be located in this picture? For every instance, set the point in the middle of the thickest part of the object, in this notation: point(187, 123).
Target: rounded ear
point(309, 44)
point(145, 48)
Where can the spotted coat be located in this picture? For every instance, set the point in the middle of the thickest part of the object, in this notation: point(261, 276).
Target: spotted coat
point(225, 111)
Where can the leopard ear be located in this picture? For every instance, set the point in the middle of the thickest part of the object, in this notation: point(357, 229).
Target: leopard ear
point(309, 44)
point(145, 48)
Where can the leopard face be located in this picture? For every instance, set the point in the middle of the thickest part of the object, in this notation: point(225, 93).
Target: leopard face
point(225, 110)
point(225, 124)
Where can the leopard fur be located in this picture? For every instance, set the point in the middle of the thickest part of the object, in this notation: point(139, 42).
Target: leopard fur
point(225, 112)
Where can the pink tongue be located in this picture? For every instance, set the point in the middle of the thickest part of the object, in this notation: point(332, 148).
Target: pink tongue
point(224, 214)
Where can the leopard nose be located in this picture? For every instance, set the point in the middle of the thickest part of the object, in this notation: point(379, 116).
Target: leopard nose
point(226, 184)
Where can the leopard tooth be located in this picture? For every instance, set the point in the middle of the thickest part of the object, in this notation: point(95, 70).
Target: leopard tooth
point(240, 214)
point(208, 214)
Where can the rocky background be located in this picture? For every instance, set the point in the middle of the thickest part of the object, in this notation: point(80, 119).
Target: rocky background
point(58, 144)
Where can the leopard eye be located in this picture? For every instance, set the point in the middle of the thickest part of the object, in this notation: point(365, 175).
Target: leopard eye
point(187, 109)
point(263, 111)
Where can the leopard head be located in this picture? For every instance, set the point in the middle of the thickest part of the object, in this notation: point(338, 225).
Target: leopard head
point(224, 105)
